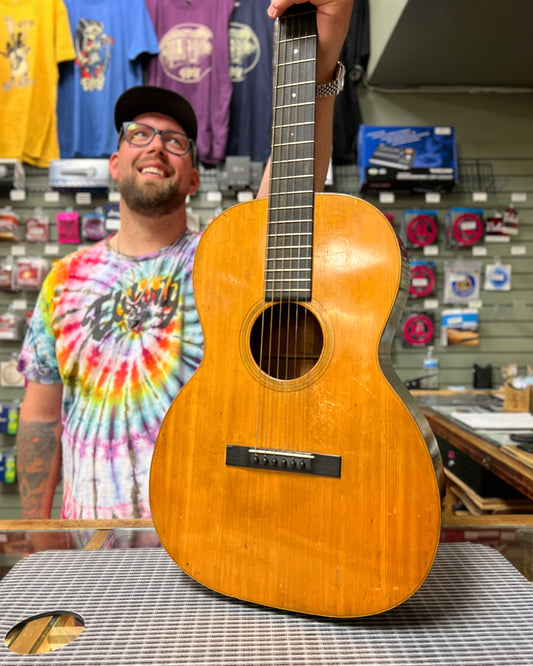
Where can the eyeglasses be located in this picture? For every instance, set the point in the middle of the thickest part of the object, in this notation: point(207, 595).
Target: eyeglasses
point(140, 135)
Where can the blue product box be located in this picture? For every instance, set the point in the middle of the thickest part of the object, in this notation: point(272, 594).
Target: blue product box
point(408, 159)
point(8, 467)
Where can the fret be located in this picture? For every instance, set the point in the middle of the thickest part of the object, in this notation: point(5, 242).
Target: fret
point(289, 234)
point(300, 246)
point(280, 271)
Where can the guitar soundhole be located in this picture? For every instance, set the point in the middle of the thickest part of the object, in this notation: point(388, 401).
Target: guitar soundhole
point(286, 340)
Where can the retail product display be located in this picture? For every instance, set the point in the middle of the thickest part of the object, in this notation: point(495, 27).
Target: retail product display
point(37, 227)
point(464, 227)
point(419, 227)
point(9, 224)
point(459, 327)
point(462, 281)
point(418, 328)
point(412, 159)
point(422, 278)
point(12, 175)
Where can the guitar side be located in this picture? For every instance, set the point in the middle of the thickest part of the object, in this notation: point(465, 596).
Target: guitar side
point(346, 546)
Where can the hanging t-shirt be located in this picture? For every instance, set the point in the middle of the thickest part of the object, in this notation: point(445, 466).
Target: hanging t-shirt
point(110, 37)
point(194, 62)
point(250, 39)
point(34, 38)
point(118, 379)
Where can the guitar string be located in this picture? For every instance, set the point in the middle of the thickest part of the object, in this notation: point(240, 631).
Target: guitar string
point(288, 312)
point(262, 394)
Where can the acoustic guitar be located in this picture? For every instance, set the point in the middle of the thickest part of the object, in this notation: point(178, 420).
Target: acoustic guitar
point(294, 470)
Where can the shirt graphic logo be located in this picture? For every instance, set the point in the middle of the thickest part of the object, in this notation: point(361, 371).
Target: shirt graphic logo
point(244, 50)
point(159, 303)
point(185, 52)
point(16, 52)
point(93, 53)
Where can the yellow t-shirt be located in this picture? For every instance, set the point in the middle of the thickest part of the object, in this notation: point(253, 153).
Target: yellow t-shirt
point(34, 38)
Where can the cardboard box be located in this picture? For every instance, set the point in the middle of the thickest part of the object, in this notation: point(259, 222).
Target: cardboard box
point(408, 159)
point(517, 400)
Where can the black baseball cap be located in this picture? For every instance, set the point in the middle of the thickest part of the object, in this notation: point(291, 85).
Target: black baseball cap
point(152, 99)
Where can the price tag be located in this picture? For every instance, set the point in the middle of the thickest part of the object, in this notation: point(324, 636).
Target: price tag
point(518, 250)
point(479, 251)
point(83, 198)
point(431, 304)
point(17, 195)
point(433, 197)
point(431, 250)
point(51, 250)
point(386, 197)
point(19, 304)
point(479, 197)
point(51, 197)
point(113, 197)
point(518, 197)
point(214, 196)
point(18, 250)
point(245, 195)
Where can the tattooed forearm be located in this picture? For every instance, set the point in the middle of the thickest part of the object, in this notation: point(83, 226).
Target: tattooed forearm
point(38, 463)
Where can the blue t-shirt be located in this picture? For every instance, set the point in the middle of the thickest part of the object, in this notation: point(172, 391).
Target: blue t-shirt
point(109, 38)
point(251, 76)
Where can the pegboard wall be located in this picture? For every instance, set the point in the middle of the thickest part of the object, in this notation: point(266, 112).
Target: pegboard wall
point(487, 184)
point(505, 317)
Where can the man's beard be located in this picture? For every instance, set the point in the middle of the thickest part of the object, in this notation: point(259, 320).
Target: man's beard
point(155, 198)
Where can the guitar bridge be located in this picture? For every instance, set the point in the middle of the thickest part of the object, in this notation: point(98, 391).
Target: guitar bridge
point(277, 460)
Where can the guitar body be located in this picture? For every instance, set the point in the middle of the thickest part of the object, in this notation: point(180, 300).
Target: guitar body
point(354, 542)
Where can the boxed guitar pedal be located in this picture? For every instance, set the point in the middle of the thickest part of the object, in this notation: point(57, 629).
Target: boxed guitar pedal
point(408, 159)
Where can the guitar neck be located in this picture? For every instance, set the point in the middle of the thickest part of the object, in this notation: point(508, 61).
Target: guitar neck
point(291, 200)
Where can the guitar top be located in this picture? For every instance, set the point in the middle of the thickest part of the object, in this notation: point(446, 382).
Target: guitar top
point(294, 469)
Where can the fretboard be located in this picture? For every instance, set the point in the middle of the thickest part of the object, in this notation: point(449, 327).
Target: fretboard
point(291, 200)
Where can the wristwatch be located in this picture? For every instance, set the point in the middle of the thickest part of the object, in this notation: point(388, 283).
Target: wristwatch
point(333, 87)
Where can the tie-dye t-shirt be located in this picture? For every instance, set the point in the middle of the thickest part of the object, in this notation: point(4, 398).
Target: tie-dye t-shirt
point(118, 379)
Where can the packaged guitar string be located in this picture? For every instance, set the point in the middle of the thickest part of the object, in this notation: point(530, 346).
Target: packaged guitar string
point(112, 216)
point(464, 227)
point(10, 326)
point(418, 227)
point(501, 225)
point(459, 327)
point(421, 278)
point(37, 227)
point(462, 280)
point(68, 227)
point(497, 277)
point(418, 328)
point(9, 225)
point(30, 273)
point(93, 225)
point(7, 274)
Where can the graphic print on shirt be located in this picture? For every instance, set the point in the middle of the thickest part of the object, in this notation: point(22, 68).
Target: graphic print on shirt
point(245, 50)
point(156, 304)
point(185, 52)
point(93, 53)
point(16, 52)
